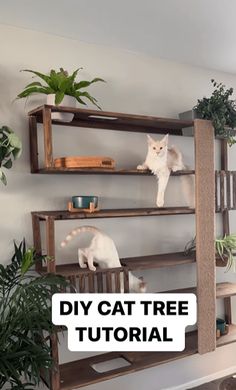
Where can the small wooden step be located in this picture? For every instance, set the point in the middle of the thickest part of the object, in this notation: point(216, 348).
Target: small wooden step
point(113, 213)
point(81, 373)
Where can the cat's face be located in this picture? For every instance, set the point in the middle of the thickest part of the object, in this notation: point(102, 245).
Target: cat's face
point(157, 147)
point(142, 287)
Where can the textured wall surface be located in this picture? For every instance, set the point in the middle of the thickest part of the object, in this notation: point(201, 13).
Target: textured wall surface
point(135, 84)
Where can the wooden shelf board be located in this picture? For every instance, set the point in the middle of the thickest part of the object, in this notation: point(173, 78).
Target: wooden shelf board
point(113, 213)
point(158, 261)
point(102, 171)
point(138, 262)
point(116, 121)
point(81, 373)
point(223, 290)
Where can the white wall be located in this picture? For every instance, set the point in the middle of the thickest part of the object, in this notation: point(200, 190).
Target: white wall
point(135, 84)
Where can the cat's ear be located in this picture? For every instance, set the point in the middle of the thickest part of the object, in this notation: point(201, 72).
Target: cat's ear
point(150, 140)
point(165, 140)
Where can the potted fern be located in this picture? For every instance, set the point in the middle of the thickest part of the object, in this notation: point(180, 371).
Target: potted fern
point(25, 316)
point(61, 89)
point(10, 150)
point(219, 108)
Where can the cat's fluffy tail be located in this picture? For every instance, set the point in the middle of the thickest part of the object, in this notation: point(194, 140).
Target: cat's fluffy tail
point(188, 186)
point(76, 231)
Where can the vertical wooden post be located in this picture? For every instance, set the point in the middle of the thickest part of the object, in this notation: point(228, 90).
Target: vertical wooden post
point(205, 234)
point(225, 220)
point(33, 138)
point(47, 130)
point(50, 244)
point(51, 267)
point(37, 240)
point(224, 167)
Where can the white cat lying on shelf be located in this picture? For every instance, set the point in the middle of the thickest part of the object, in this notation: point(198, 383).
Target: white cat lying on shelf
point(161, 160)
point(102, 250)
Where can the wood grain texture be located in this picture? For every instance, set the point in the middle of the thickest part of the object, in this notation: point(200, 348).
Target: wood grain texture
point(50, 244)
point(223, 290)
point(81, 373)
point(205, 234)
point(37, 240)
point(47, 132)
point(115, 121)
point(228, 309)
point(104, 171)
point(33, 138)
point(113, 213)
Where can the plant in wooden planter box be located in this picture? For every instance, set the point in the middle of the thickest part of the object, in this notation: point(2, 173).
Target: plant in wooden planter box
point(10, 149)
point(225, 249)
point(25, 316)
point(221, 110)
point(62, 89)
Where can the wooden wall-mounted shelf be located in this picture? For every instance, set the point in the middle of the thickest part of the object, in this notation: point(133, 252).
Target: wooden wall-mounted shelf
point(215, 192)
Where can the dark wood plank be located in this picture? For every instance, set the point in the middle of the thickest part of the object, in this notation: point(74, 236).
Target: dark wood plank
point(81, 373)
point(47, 133)
point(116, 121)
point(205, 227)
point(104, 171)
point(228, 310)
point(158, 261)
point(33, 138)
point(108, 281)
point(37, 241)
point(222, 190)
point(91, 282)
point(113, 213)
point(234, 190)
point(223, 290)
point(228, 189)
point(117, 275)
point(50, 244)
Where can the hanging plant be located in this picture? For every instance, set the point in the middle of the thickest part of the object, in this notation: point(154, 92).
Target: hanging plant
point(10, 150)
point(221, 110)
point(225, 249)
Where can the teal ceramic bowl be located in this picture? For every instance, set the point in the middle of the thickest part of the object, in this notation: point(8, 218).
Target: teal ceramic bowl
point(220, 324)
point(83, 202)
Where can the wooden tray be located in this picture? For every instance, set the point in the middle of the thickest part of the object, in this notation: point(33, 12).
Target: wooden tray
point(92, 208)
point(84, 162)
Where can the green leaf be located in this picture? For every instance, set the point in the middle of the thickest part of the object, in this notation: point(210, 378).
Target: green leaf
point(40, 75)
point(59, 97)
point(14, 141)
point(27, 261)
point(33, 84)
point(8, 164)
point(3, 177)
point(84, 84)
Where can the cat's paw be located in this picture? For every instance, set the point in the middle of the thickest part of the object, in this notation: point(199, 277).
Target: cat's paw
point(92, 268)
point(83, 265)
point(142, 167)
point(160, 203)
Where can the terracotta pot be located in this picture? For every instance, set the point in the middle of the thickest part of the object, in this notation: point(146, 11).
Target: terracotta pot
point(68, 101)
